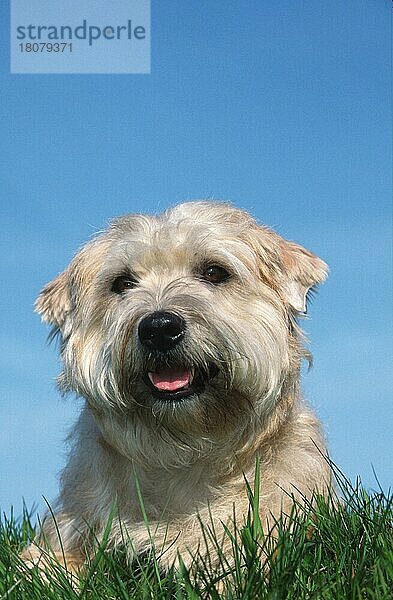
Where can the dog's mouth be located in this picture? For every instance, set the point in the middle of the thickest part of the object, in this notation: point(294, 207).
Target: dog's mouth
point(176, 383)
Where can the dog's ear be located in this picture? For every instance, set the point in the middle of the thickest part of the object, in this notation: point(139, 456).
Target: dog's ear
point(302, 271)
point(54, 302)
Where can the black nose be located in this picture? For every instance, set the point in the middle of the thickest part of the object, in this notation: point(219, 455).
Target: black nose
point(161, 330)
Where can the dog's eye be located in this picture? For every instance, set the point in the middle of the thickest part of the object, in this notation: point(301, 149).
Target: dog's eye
point(215, 274)
point(123, 283)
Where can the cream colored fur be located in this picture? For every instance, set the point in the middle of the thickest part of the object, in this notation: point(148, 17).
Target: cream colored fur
point(190, 456)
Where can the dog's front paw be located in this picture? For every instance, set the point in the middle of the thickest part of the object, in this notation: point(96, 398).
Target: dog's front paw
point(34, 556)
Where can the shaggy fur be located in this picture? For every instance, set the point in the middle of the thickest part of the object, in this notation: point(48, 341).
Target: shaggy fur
point(239, 289)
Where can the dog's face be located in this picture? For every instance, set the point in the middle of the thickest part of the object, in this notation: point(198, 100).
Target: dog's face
point(186, 319)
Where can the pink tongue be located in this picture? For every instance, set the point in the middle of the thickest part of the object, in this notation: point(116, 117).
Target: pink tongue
point(171, 380)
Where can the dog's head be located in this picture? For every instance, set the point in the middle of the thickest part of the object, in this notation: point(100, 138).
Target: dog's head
point(188, 318)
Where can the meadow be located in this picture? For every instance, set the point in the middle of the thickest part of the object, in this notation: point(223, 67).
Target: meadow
point(327, 549)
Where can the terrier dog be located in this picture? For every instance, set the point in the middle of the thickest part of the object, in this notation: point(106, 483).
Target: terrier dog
point(181, 333)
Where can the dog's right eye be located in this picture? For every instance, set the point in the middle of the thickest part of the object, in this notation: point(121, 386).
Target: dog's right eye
point(123, 283)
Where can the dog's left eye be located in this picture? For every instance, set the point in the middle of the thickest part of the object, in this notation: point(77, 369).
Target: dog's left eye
point(215, 274)
point(123, 283)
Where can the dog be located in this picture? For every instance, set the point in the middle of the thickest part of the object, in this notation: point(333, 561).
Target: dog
point(181, 333)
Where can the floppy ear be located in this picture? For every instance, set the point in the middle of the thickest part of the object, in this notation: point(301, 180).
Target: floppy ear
point(54, 301)
point(302, 271)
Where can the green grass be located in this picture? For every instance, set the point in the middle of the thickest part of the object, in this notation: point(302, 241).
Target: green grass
point(331, 551)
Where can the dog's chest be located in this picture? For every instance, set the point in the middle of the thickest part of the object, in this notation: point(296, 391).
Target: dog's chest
point(163, 493)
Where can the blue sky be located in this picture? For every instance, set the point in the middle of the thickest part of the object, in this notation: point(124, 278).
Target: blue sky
point(284, 109)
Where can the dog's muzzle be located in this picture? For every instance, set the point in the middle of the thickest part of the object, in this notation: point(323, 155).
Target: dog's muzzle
point(159, 333)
